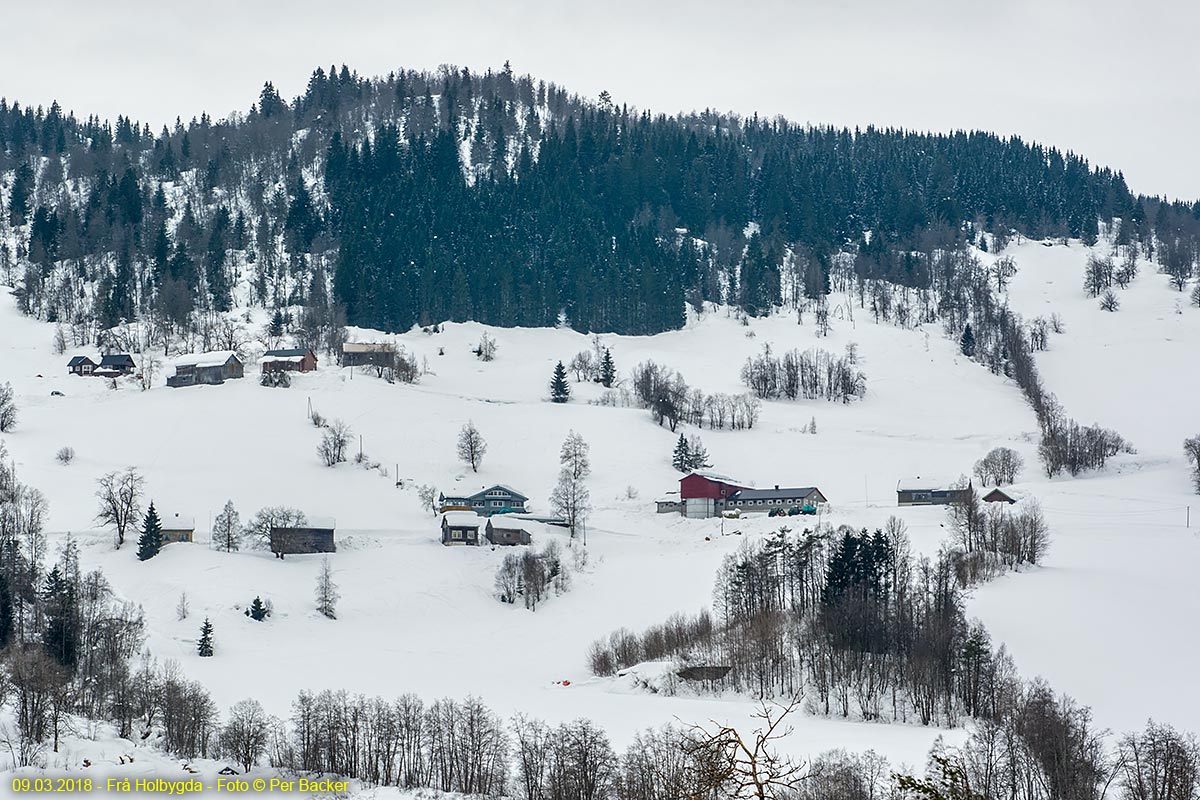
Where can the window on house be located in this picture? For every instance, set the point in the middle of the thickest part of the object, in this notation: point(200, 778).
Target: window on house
point(456, 534)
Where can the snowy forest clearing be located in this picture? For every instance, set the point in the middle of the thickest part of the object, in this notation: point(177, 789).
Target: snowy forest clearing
point(417, 617)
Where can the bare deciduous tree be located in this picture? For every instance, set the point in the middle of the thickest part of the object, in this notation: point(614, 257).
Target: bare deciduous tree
point(120, 495)
point(327, 590)
point(733, 765)
point(8, 408)
point(244, 737)
point(471, 446)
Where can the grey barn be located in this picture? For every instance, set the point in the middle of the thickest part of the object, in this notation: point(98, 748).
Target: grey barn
point(300, 540)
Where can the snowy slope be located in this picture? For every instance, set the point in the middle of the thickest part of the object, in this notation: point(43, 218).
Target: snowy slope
point(415, 616)
point(1111, 618)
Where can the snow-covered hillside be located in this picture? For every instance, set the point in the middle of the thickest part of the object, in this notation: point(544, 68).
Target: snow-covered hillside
point(415, 616)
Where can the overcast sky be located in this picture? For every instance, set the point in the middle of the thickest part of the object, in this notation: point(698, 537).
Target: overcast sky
point(1115, 82)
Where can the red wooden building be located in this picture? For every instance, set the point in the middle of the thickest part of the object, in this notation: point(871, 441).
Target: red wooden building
point(704, 494)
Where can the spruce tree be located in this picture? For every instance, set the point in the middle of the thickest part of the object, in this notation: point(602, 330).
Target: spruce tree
point(205, 646)
point(681, 459)
point(150, 542)
point(560, 390)
point(697, 454)
point(258, 610)
point(275, 330)
point(608, 370)
point(967, 343)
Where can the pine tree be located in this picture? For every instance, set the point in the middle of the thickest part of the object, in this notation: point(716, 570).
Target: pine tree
point(151, 541)
point(205, 646)
point(967, 343)
point(697, 454)
point(258, 610)
point(560, 390)
point(608, 370)
point(681, 459)
point(275, 329)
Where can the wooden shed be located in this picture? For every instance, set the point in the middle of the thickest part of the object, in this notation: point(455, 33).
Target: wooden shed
point(998, 495)
point(211, 368)
point(315, 536)
point(504, 531)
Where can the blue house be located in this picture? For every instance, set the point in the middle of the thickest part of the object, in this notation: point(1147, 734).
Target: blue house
point(498, 499)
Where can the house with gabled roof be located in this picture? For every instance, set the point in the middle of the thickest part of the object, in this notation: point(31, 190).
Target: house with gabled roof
point(292, 359)
point(496, 499)
point(461, 528)
point(925, 491)
point(81, 365)
point(117, 363)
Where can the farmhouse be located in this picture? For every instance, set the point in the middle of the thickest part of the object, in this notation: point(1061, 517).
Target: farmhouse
point(297, 359)
point(116, 364)
point(998, 495)
point(920, 491)
point(81, 365)
point(805, 497)
point(709, 494)
point(314, 536)
point(506, 532)
point(177, 528)
point(461, 527)
point(498, 499)
point(211, 368)
point(368, 354)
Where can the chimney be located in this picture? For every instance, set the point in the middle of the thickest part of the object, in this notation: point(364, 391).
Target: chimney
point(777, 487)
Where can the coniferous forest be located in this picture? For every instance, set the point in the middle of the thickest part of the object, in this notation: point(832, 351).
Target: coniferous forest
point(421, 197)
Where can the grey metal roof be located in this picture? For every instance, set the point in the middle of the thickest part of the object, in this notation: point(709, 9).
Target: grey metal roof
point(291, 352)
point(77, 360)
point(116, 360)
point(774, 494)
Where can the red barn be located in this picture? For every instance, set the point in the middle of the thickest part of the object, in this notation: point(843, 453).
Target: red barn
point(703, 494)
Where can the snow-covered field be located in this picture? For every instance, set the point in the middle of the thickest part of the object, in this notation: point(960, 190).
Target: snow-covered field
point(1109, 618)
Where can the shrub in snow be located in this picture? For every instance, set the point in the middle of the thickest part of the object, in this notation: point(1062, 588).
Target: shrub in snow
point(65, 455)
point(334, 442)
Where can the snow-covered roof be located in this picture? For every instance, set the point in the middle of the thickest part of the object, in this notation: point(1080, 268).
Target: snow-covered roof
point(1007, 491)
point(715, 476)
point(277, 359)
point(928, 484)
point(668, 497)
point(463, 519)
point(319, 522)
point(214, 358)
point(174, 521)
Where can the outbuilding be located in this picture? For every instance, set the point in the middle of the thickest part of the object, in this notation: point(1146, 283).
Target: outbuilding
point(296, 359)
point(314, 536)
point(461, 527)
point(921, 491)
point(998, 495)
point(211, 368)
point(504, 531)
